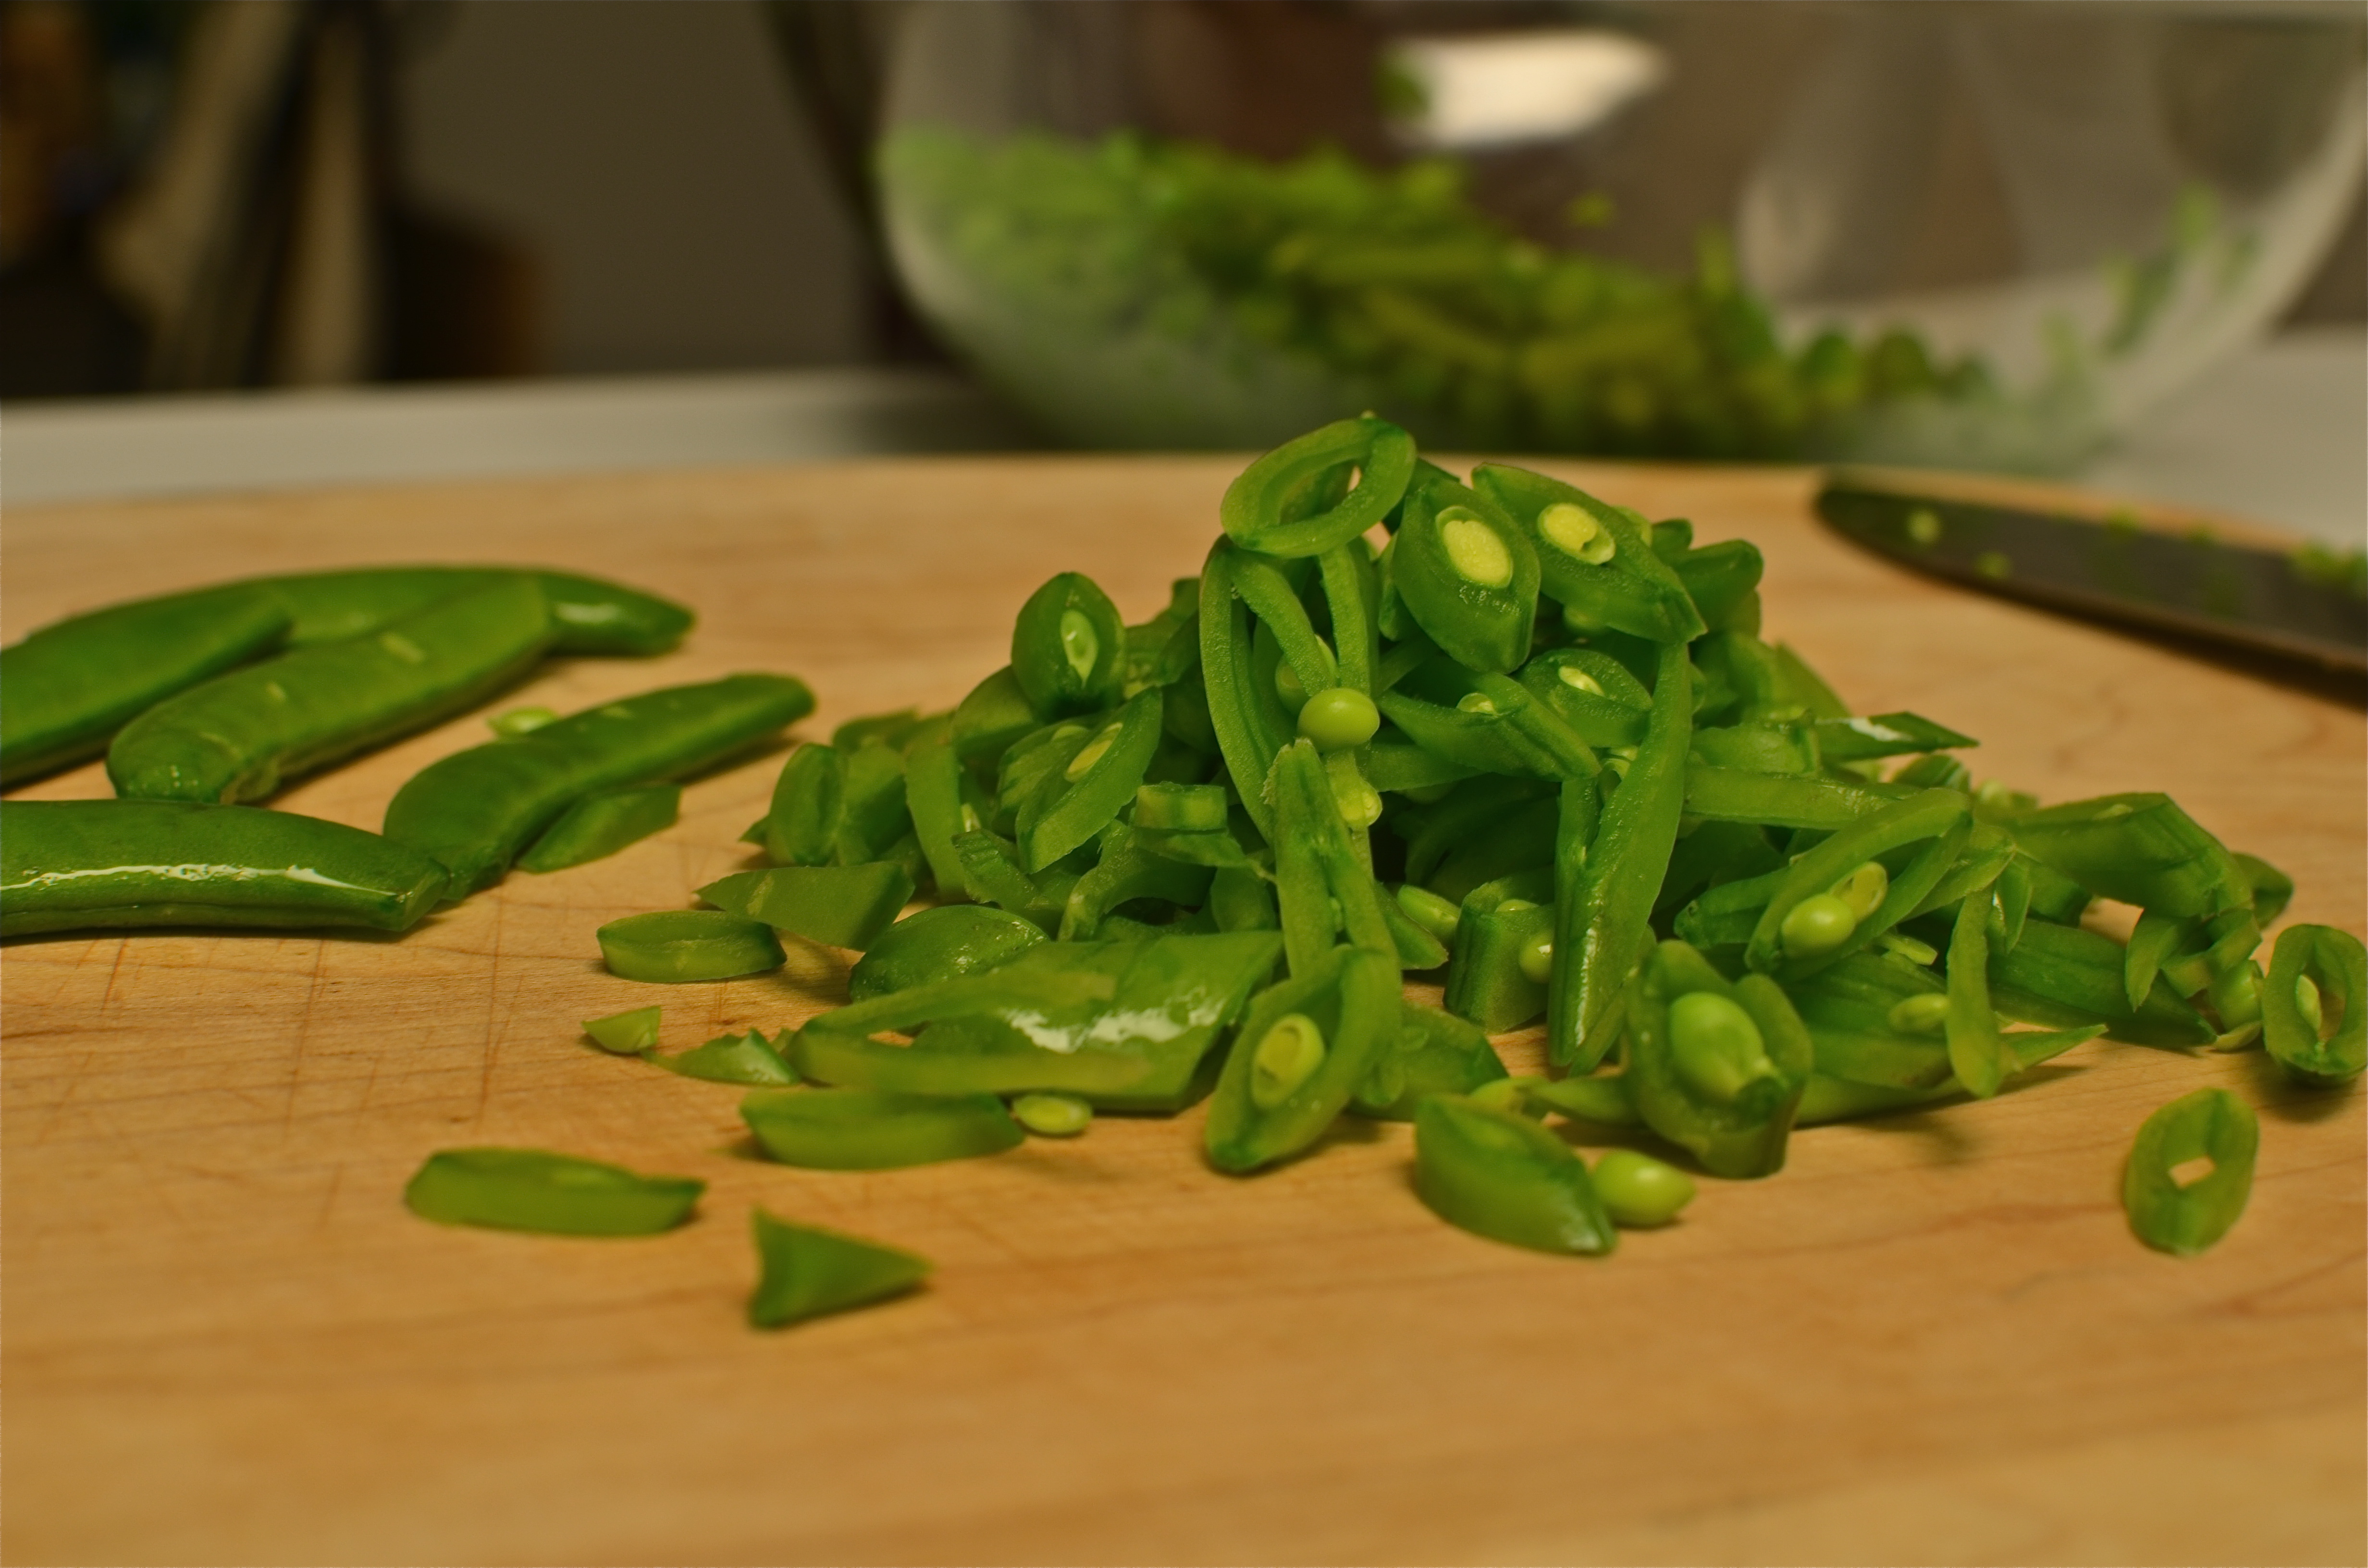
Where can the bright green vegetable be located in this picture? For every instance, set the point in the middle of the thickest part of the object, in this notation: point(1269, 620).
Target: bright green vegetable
point(1053, 1116)
point(628, 1033)
point(1068, 647)
point(845, 906)
point(2190, 1171)
point(532, 1189)
point(598, 825)
point(2314, 1004)
point(1637, 1189)
point(952, 941)
point(674, 946)
point(869, 1129)
point(806, 1272)
point(1499, 1175)
point(747, 1059)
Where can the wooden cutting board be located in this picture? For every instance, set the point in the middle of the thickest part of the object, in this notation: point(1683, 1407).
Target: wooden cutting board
point(1929, 1340)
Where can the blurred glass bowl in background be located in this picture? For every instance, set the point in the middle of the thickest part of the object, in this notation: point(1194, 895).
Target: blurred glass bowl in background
point(1973, 235)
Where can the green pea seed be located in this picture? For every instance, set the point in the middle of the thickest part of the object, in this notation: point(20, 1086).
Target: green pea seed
point(1716, 1047)
point(1864, 889)
point(1053, 1116)
point(1926, 1014)
point(1092, 751)
point(1574, 531)
point(1476, 702)
point(1816, 926)
point(2308, 1002)
point(1921, 954)
point(1639, 1190)
point(1432, 913)
point(1537, 958)
point(1474, 548)
point(520, 721)
point(1579, 680)
point(1339, 719)
point(1080, 644)
point(1288, 1055)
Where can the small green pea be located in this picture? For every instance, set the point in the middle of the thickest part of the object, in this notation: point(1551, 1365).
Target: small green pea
point(1476, 702)
point(520, 721)
point(1816, 926)
point(1432, 913)
point(1925, 1013)
point(1639, 1190)
point(1339, 719)
point(1864, 889)
point(1537, 958)
point(1476, 551)
point(1080, 644)
point(1579, 680)
point(2310, 1005)
point(1053, 1116)
point(1576, 532)
point(1715, 1046)
point(1283, 1058)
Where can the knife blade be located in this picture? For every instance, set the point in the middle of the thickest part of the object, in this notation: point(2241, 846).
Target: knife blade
point(2304, 603)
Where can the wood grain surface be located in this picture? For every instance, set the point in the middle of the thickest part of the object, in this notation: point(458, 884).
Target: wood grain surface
point(1930, 1339)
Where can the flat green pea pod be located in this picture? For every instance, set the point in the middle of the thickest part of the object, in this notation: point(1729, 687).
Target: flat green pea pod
point(1068, 647)
point(72, 685)
point(806, 1272)
point(476, 810)
point(2315, 1004)
point(2190, 1171)
point(1497, 1174)
point(952, 941)
point(92, 864)
point(1467, 576)
point(867, 1129)
point(843, 906)
point(1608, 874)
point(532, 1189)
point(240, 736)
point(1263, 508)
point(1126, 1025)
point(1068, 808)
point(1596, 560)
point(2140, 848)
point(674, 946)
point(1302, 1051)
point(588, 615)
point(1714, 1066)
point(598, 825)
point(1837, 898)
point(808, 808)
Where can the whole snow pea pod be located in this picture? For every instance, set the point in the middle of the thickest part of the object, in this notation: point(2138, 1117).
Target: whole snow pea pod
point(1099, 780)
point(2180, 1212)
point(72, 685)
point(1714, 1066)
point(867, 1130)
point(1300, 1053)
point(1604, 889)
point(1467, 576)
point(1596, 560)
point(846, 906)
point(2139, 848)
point(598, 825)
point(804, 1272)
point(939, 944)
point(532, 1189)
point(1068, 647)
point(240, 736)
point(77, 865)
point(1497, 1174)
point(2314, 1004)
point(475, 810)
point(1263, 509)
point(674, 946)
point(588, 615)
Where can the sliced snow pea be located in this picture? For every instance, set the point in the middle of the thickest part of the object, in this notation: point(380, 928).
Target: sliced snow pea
point(2138, 849)
point(1436, 1053)
point(995, 714)
point(1181, 808)
point(806, 1272)
point(1883, 735)
point(678, 945)
point(532, 1189)
point(1467, 576)
point(1592, 692)
point(867, 1130)
point(1715, 1066)
point(1323, 887)
point(1786, 936)
point(1496, 727)
point(1605, 884)
point(72, 685)
point(598, 825)
point(1490, 979)
point(1068, 808)
point(809, 807)
point(891, 730)
point(844, 906)
point(87, 865)
point(1248, 716)
point(1300, 1053)
point(1731, 794)
point(1497, 1174)
point(943, 801)
point(939, 944)
point(1265, 508)
point(2065, 977)
point(745, 1059)
point(1128, 871)
point(2272, 889)
point(1721, 580)
point(1828, 1099)
point(875, 821)
point(475, 810)
point(1976, 1054)
point(240, 736)
point(1595, 560)
point(2314, 1004)
point(1068, 647)
point(2171, 1204)
point(625, 1034)
point(588, 615)
point(991, 874)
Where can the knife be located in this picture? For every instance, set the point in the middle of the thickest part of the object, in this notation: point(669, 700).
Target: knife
point(2300, 602)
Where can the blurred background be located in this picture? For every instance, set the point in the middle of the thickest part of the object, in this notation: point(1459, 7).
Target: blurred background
point(2017, 235)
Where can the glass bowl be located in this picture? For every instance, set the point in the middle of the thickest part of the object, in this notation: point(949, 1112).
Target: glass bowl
point(1979, 235)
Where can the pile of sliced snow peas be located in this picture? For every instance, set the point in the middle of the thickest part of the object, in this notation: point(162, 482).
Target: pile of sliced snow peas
point(1534, 745)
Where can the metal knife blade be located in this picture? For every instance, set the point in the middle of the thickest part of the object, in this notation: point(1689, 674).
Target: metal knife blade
point(2300, 603)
